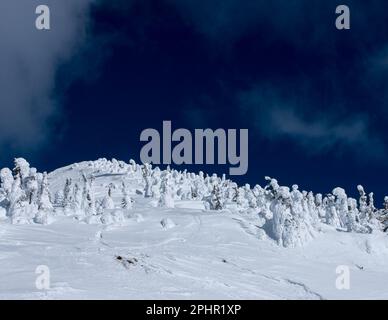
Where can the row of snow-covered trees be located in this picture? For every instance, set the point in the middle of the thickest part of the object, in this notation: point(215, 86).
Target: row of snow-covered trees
point(24, 194)
point(79, 200)
point(290, 216)
point(25, 198)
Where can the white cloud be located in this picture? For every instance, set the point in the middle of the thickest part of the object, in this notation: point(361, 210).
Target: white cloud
point(29, 59)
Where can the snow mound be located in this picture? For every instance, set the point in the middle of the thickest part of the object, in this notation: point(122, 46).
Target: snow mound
point(167, 223)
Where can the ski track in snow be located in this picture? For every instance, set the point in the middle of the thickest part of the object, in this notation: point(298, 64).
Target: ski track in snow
point(308, 291)
point(188, 261)
point(204, 255)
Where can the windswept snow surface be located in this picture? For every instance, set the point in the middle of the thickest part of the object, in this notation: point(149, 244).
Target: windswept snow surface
point(183, 252)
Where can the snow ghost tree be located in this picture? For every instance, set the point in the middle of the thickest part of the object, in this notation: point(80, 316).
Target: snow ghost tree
point(147, 171)
point(282, 219)
point(251, 198)
point(6, 182)
point(341, 205)
point(363, 205)
point(78, 199)
point(126, 202)
point(132, 166)
point(25, 194)
point(108, 203)
point(32, 186)
point(18, 203)
point(290, 225)
point(155, 183)
point(166, 199)
point(68, 196)
point(304, 213)
point(59, 198)
point(20, 210)
point(89, 203)
point(215, 201)
point(45, 206)
point(312, 210)
point(383, 217)
point(241, 199)
point(373, 221)
point(198, 187)
point(367, 211)
point(331, 216)
point(319, 205)
point(22, 169)
point(353, 218)
point(262, 202)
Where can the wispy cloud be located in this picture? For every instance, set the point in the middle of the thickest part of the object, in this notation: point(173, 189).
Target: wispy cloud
point(276, 117)
point(228, 20)
point(28, 62)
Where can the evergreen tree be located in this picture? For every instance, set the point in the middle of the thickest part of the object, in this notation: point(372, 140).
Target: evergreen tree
point(68, 195)
point(217, 200)
point(108, 201)
point(146, 171)
point(383, 217)
point(166, 199)
point(59, 198)
point(88, 202)
point(341, 205)
point(18, 207)
point(90, 209)
point(250, 198)
point(21, 169)
point(32, 186)
point(78, 199)
point(6, 181)
point(363, 205)
point(126, 202)
point(331, 216)
point(45, 206)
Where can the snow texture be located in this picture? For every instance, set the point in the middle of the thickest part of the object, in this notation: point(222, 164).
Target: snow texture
point(152, 233)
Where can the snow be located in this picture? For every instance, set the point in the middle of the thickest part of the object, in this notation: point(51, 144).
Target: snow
point(204, 256)
point(185, 252)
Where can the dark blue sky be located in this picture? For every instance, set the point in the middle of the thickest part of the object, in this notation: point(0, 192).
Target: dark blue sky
point(313, 97)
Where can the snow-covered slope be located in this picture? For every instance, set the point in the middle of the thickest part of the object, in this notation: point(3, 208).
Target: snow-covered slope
point(178, 251)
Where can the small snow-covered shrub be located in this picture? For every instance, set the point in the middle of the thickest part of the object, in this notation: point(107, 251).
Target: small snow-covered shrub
point(115, 217)
point(94, 219)
point(43, 217)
